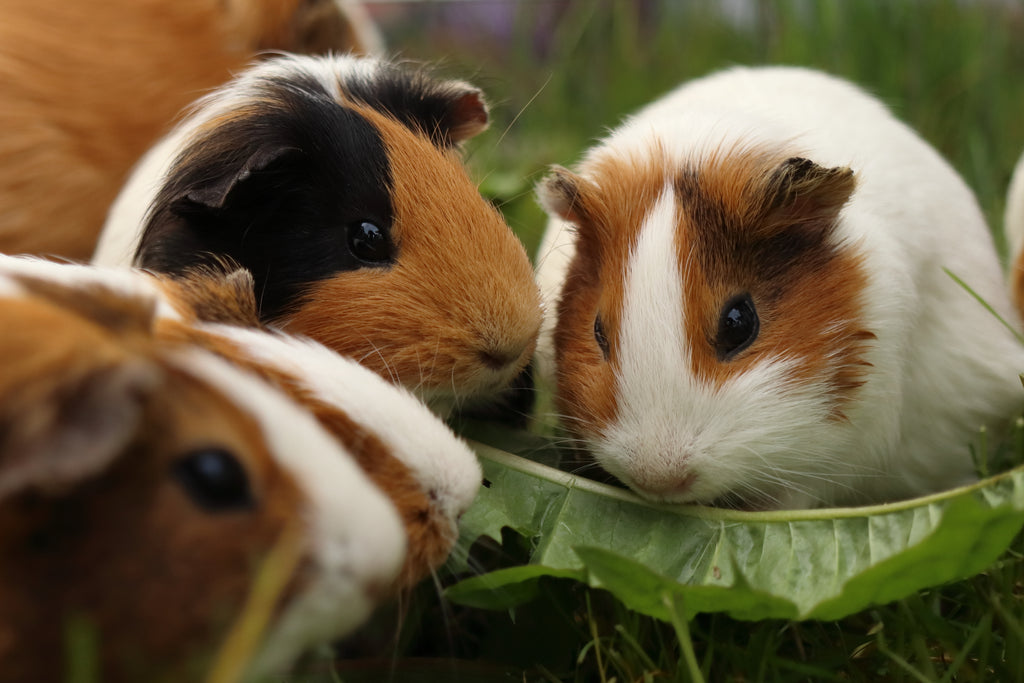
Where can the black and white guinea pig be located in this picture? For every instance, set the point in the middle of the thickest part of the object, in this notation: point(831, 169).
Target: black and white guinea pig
point(752, 304)
point(337, 182)
point(142, 483)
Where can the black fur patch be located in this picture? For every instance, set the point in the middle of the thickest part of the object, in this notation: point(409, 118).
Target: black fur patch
point(274, 189)
point(421, 103)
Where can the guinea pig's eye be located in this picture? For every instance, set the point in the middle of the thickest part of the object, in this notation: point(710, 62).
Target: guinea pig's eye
point(599, 336)
point(738, 325)
point(369, 242)
point(214, 480)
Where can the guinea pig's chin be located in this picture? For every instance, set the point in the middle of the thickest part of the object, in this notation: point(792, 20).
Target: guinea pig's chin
point(675, 492)
point(673, 486)
point(444, 401)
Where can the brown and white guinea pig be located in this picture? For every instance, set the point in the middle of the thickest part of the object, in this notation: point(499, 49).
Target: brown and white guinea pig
point(752, 301)
point(141, 485)
point(430, 475)
point(337, 183)
point(88, 87)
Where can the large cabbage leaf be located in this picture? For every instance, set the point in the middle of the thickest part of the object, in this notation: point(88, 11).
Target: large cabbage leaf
point(812, 564)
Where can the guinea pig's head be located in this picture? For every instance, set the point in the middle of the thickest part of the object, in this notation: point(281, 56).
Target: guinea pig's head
point(710, 338)
point(337, 182)
point(143, 485)
point(430, 475)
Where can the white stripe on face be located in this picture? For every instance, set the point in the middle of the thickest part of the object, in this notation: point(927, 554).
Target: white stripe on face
point(650, 337)
point(653, 384)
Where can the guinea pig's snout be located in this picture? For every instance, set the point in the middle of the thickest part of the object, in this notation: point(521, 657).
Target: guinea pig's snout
point(674, 489)
point(498, 358)
point(506, 354)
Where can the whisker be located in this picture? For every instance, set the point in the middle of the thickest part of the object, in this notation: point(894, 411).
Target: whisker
point(523, 109)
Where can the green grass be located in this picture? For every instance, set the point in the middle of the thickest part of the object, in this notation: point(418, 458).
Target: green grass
point(952, 70)
point(557, 81)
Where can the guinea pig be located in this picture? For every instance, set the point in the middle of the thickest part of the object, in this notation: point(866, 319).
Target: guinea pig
point(1013, 227)
point(142, 483)
point(337, 183)
point(751, 300)
point(88, 87)
point(430, 475)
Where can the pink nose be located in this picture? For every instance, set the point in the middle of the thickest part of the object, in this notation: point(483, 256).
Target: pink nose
point(672, 489)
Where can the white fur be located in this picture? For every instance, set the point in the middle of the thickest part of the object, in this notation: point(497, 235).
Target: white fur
point(941, 366)
point(1013, 219)
point(441, 462)
point(123, 281)
point(357, 539)
point(555, 253)
point(123, 228)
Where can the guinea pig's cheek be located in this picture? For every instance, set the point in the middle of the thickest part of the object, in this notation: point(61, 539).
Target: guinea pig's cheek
point(586, 395)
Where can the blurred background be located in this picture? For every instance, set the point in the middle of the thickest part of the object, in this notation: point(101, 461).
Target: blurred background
point(559, 73)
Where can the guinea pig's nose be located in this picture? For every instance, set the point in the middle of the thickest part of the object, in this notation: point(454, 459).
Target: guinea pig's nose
point(497, 358)
point(672, 490)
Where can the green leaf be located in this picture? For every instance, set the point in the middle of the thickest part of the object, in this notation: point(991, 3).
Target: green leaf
point(821, 564)
point(506, 588)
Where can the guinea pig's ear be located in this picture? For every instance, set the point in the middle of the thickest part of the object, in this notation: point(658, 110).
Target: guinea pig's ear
point(467, 114)
point(73, 429)
point(308, 27)
point(571, 198)
point(217, 191)
point(799, 192)
point(561, 194)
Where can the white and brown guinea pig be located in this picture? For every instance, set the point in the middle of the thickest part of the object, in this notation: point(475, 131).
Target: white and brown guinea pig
point(752, 301)
point(338, 184)
point(141, 485)
point(430, 475)
point(88, 87)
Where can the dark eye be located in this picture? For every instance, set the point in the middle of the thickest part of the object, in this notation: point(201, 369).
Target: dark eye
point(737, 327)
point(369, 242)
point(214, 480)
point(600, 337)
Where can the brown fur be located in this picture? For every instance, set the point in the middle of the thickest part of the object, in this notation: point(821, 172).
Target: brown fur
point(87, 87)
point(1017, 283)
point(751, 221)
point(109, 538)
point(762, 224)
point(213, 296)
point(608, 225)
point(426, 327)
point(96, 303)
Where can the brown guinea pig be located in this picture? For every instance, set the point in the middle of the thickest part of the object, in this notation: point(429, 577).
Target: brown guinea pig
point(87, 87)
point(143, 483)
point(337, 183)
